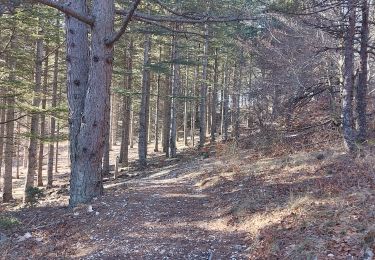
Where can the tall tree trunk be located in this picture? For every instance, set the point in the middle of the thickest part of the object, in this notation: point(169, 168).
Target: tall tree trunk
point(18, 151)
point(194, 104)
point(25, 156)
point(225, 116)
point(150, 117)
point(126, 121)
point(89, 139)
point(110, 133)
point(236, 100)
point(347, 105)
point(34, 129)
point(57, 148)
point(174, 100)
point(208, 111)
point(107, 140)
point(186, 117)
point(144, 109)
point(167, 115)
point(42, 124)
point(78, 64)
point(157, 108)
point(214, 99)
point(203, 93)
point(9, 143)
point(9, 148)
point(2, 134)
point(51, 146)
point(131, 134)
point(363, 74)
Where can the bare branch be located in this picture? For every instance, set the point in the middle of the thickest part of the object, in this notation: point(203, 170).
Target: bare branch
point(65, 9)
point(170, 29)
point(15, 119)
point(125, 23)
point(177, 19)
point(170, 10)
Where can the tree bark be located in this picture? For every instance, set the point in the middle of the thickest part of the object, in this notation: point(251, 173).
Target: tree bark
point(167, 115)
point(126, 121)
point(144, 109)
point(174, 99)
point(51, 146)
point(157, 108)
point(9, 142)
point(34, 129)
point(42, 124)
point(363, 75)
point(131, 134)
point(89, 138)
point(2, 133)
point(203, 93)
point(18, 151)
point(347, 105)
point(194, 105)
point(236, 100)
point(225, 116)
point(214, 99)
point(107, 139)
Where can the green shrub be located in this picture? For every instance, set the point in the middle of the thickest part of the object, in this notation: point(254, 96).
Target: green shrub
point(8, 222)
point(33, 194)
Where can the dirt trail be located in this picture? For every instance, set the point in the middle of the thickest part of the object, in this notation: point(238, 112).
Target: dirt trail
point(162, 216)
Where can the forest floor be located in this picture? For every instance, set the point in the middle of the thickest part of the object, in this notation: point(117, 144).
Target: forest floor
point(236, 204)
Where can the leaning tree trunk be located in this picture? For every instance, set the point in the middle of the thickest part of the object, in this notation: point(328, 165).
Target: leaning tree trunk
point(363, 75)
point(34, 129)
point(144, 109)
point(89, 138)
point(42, 124)
point(347, 105)
point(203, 93)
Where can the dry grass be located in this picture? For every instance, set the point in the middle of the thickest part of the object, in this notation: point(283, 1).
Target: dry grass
point(304, 205)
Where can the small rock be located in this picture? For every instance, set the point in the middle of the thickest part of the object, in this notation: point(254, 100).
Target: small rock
point(369, 255)
point(76, 213)
point(97, 213)
point(331, 255)
point(24, 237)
point(3, 238)
point(237, 247)
point(162, 251)
point(89, 209)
